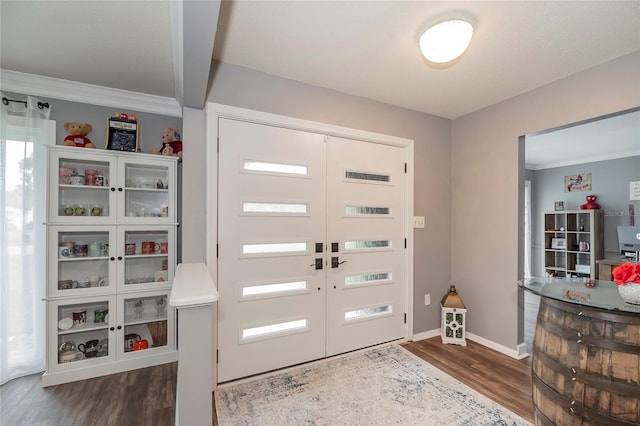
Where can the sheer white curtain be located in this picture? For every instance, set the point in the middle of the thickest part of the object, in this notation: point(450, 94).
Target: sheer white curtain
point(25, 131)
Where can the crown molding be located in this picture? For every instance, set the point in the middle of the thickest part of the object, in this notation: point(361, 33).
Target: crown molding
point(37, 85)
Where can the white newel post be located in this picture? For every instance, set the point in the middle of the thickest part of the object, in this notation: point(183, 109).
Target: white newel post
point(193, 294)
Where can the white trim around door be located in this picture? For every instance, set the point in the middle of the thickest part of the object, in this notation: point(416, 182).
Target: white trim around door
point(217, 111)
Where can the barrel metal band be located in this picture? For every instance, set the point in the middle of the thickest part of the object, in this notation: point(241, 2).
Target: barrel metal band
point(592, 312)
point(617, 387)
point(592, 416)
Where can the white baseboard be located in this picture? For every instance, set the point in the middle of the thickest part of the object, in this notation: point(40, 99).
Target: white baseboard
point(425, 335)
point(519, 353)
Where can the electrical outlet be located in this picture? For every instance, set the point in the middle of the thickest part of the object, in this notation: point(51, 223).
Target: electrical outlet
point(427, 299)
point(418, 221)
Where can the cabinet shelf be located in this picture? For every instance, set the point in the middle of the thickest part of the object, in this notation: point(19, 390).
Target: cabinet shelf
point(81, 328)
point(147, 317)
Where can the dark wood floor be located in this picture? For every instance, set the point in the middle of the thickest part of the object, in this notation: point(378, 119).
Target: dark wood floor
point(147, 396)
point(139, 397)
point(497, 376)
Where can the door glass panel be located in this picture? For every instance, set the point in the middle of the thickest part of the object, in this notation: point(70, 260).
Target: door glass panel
point(367, 176)
point(273, 248)
point(271, 289)
point(83, 331)
point(83, 260)
point(83, 187)
point(254, 207)
point(146, 257)
point(376, 278)
point(145, 321)
point(263, 166)
point(273, 329)
point(366, 244)
point(147, 190)
point(367, 210)
point(367, 313)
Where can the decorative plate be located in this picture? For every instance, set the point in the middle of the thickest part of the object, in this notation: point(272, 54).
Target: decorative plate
point(65, 323)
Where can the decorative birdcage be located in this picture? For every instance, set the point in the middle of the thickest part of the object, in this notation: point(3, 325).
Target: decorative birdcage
point(453, 318)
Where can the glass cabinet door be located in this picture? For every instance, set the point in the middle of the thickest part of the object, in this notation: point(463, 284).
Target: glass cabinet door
point(81, 332)
point(81, 188)
point(81, 260)
point(148, 191)
point(147, 321)
point(148, 254)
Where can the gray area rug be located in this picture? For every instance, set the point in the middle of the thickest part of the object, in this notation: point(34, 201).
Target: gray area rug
point(385, 385)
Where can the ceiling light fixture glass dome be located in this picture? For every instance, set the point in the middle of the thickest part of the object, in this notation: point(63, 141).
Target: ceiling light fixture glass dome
point(446, 41)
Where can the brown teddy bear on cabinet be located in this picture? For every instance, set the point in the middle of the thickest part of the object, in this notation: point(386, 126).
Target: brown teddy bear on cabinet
point(78, 135)
point(171, 143)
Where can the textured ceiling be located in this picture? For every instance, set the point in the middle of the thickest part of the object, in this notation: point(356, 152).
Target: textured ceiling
point(370, 49)
point(363, 48)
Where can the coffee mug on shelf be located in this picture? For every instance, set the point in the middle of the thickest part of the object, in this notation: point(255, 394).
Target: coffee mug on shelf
point(99, 315)
point(90, 177)
point(80, 210)
point(65, 284)
point(79, 317)
point(68, 210)
point(129, 340)
point(164, 247)
point(77, 180)
point(89, 348)
point(129, 249)
point(96, 248)
point(584, 246)
point(84, 284)
point(81, 250)
point(63, 252)
point(64, 175)
point(150, 247)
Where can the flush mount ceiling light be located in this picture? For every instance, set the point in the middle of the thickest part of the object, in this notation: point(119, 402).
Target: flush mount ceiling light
point(446, 41)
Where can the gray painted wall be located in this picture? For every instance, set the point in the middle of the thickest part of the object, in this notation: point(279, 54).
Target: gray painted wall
point(151, 125)
point(487, 183)
point(610, 182)
point(246, 88)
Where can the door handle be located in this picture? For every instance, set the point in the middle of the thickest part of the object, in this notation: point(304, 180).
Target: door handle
point(318, 263)
point(335, 262)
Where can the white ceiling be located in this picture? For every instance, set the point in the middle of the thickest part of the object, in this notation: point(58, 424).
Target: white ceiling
point(608, 138)
point(363, 48)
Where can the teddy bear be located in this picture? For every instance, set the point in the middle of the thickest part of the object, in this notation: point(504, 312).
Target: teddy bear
point(590, 204)
point(78, 135)
point(171, 143)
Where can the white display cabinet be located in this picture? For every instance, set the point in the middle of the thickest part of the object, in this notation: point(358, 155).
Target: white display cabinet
point(104, 186)
point(111, 255)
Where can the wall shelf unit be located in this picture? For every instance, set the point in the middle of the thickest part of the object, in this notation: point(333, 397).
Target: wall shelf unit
point(573, 242)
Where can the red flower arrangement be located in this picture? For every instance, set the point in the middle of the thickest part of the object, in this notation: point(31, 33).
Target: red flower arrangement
point(626, 273)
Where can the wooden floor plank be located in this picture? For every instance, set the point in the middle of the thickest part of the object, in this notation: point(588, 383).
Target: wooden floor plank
point(147, 396)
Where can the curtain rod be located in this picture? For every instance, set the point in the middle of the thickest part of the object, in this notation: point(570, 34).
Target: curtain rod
point(41, 105)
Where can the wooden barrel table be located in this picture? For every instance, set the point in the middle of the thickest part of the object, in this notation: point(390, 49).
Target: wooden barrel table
point(585, 365)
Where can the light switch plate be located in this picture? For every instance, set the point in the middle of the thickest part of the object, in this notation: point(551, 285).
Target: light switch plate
point(418, 221)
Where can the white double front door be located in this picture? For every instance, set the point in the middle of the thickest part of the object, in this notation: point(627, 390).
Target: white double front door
point(311, 246)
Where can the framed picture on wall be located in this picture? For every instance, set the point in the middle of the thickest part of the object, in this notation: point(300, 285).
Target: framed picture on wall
point(559, 243)
point(558, 206)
